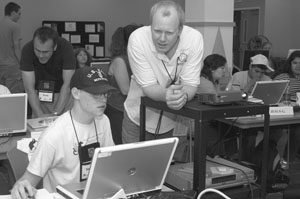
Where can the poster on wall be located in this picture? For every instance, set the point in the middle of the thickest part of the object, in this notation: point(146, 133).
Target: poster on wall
point(75, 39)
point(90, 28)
point(70, 27)
point(90, 49)
point(99, 51)
point(94, 38)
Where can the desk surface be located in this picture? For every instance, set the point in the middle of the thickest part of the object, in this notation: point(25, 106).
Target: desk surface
point(254, 122)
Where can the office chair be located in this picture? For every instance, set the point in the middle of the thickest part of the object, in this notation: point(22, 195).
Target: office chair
point(18, 161)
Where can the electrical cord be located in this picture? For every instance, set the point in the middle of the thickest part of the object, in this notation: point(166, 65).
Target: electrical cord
point(212, 190)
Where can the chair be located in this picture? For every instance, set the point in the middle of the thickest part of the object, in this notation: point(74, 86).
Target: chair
point(18, 161)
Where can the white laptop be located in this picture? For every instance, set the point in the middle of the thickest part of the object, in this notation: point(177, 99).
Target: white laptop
point(270, 92)
point(13, 114)
point(136, 168)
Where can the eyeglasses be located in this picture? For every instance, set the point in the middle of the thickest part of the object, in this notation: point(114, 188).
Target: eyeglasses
point(101, 96)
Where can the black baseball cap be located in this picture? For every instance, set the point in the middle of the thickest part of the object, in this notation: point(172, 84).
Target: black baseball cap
point(92, 80)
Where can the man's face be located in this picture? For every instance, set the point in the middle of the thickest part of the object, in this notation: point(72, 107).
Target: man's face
point(165, 31)
point(43, 51)
point(91, 104)
point(16, 15)
point(256, 72)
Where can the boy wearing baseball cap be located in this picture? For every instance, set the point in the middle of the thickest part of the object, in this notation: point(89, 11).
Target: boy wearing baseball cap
point(66, 147)
point(245, 80)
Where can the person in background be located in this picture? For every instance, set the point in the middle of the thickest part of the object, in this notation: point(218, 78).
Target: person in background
point(83, 57)
point(165, 60)
point(245, 80)
point(47, 65)
point(291, 71)
point(213, 70)
point(10, 49)
point(59, 156)
point(119, 74)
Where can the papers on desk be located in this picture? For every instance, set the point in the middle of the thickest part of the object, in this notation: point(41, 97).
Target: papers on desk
point(41, 194)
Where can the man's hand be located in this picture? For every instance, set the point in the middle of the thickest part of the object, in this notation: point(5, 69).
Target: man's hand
point(23, 190)
point(176, 98)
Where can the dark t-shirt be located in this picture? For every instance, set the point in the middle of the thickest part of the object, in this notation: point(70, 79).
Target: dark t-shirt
point(62, 59)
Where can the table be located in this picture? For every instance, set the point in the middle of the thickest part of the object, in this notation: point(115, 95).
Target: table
point(205, 113)
point(258, 122)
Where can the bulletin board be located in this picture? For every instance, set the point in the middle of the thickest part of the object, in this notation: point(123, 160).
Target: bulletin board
point(85, 34)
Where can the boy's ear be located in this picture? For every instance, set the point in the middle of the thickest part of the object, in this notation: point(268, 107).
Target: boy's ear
point(75, 93)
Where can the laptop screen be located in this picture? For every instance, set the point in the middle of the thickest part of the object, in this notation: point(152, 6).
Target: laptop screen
point(270, 92)
point(13, 114)
point(136, 168)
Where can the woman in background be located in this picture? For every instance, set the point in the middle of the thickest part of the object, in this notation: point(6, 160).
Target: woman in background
point(83, 57)
point(291, 71)
point(119, 74)
point(213, 70)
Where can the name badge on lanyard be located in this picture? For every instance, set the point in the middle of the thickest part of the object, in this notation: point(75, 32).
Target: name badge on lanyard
point(46, 91)
point(85, 157)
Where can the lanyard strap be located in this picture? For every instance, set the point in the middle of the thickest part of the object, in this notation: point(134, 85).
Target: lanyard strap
point(79, 143)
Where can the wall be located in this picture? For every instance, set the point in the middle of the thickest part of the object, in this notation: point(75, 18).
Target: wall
point(279, 21)
point(114, 13)
point(214, 19)
point(249, 4)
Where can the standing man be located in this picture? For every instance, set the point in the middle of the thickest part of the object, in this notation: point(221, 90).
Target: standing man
point(47, 64)
point(10, 49)
point(165, 59)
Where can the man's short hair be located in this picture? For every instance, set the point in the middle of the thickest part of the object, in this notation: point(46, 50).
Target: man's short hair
point(166, 12)
point(46, 33)
point(11, 7)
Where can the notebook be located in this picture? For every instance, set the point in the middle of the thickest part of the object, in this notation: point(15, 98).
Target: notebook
point(13, 114)
point(270, 92)
point(136, 168)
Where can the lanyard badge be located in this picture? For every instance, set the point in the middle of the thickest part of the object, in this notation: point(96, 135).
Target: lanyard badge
point(85, 157)
point(46, 91)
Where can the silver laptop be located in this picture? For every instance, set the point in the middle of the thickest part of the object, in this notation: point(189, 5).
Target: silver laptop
point(270, 92)
point(13, 114)
point(136, 168)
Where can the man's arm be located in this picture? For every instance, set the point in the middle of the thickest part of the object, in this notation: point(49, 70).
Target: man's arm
point(64, 91)
point(176, 96)
point(24, 187)
point(29, 85)
point(17, 48)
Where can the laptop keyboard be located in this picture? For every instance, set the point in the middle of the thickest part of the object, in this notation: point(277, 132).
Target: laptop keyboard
point(166, 195)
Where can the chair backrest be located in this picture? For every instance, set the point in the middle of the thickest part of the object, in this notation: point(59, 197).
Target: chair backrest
point(18, 161)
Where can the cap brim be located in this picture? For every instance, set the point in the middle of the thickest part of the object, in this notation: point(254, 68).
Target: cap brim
point(99, 89)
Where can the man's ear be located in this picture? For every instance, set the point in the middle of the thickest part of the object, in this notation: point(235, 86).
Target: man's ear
point(75, 93)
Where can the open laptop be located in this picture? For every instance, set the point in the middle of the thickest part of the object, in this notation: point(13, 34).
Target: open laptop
point(13, 114)
point(270, 92)
point(102, 64)
point(136, 168)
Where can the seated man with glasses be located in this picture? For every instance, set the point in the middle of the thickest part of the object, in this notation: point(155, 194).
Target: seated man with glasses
point(64, 152)
point(47, 65)
point(245, 80)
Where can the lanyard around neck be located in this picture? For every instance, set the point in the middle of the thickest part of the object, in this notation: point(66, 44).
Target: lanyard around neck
point(79, 143)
